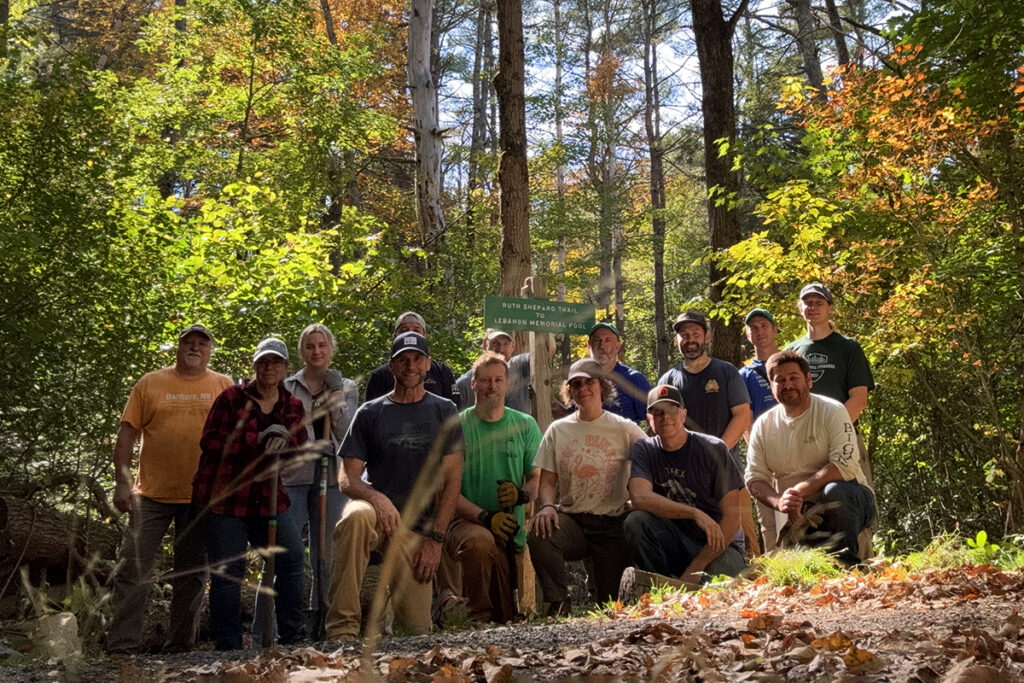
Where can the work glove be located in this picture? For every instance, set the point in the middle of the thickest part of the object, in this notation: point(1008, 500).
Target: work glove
point(333, 380)
point(502, 524)
point(510, 495)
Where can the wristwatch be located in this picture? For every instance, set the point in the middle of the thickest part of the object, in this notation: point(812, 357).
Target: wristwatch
point(435, 536)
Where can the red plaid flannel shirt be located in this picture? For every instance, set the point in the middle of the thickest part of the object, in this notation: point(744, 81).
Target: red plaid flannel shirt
point(231, 461)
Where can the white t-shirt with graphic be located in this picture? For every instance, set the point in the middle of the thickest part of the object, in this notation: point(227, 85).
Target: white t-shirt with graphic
point(591, 459)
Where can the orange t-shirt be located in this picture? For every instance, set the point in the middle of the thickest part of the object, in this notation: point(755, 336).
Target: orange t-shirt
point(170, 411)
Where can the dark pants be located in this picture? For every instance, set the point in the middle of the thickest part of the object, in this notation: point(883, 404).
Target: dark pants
point(305, 507)
point(579, 536)
point(668, 546)
point(227, 540)
point(149, 523)
point(851, 509)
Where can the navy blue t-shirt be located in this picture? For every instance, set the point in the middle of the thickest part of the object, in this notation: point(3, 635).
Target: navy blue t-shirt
point(699, 474)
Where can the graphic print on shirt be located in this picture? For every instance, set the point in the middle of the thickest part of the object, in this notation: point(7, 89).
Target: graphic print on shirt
point(412, 439)
point(589, 465)
point(711, 386)
point(672, 486)
point(819, 364)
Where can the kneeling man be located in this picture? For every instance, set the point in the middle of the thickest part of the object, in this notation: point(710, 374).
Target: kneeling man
point(498, 478)
point(392, 439)
point(685, 488)
point(804, 451)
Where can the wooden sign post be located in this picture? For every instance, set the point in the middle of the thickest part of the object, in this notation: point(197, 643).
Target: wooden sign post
point(541, 318)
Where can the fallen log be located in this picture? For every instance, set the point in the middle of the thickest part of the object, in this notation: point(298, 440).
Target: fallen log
point(41, 538)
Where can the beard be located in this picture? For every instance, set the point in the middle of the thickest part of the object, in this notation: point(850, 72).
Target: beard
point(693, 350)
point(793, 398)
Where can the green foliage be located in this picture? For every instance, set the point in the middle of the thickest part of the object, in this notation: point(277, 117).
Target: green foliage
point(797, 567)
point(954, 550)
point(206, 181)
point(902, 201)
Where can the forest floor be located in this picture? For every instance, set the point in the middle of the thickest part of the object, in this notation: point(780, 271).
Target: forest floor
point(950, 625)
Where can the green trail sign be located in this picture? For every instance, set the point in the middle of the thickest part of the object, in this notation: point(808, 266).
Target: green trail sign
point(537, 315)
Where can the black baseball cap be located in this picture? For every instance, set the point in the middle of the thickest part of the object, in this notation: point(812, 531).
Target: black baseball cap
point(409, 341)
point(691, 317)
point(664, 393)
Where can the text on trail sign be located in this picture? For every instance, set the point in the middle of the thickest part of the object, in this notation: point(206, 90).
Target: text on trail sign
point(537, 315)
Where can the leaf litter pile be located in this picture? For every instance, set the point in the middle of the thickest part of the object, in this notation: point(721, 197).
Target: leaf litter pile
point(951, 625)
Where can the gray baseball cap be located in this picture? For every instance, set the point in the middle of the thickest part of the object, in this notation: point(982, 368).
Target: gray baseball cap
point(585, 367)
point(492, 333)
point(270, 346)
point(410, 317)
point(199, 329)
point(816, 288)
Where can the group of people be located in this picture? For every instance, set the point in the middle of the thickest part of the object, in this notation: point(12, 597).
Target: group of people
point(445, 492)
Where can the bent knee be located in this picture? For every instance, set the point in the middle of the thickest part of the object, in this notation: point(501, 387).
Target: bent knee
point(360, 516)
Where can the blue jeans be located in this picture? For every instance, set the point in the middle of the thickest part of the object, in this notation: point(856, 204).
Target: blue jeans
point(668, 546)
point(305, 507)
point(227, 540)
point(851, 509)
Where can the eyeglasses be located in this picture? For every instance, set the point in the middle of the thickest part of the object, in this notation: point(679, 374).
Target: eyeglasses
point(580, 382)
point(267, 361)
point(664, 411)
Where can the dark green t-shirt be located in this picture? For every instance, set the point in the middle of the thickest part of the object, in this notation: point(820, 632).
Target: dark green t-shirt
point(838, 364)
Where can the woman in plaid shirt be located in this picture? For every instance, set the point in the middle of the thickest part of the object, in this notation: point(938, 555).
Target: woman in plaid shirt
point(237, 473)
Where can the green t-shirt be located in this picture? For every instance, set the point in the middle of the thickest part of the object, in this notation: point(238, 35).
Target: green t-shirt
point(837, 365)
point(494, 451)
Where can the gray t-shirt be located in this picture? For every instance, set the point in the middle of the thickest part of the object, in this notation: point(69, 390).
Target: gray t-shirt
point(394, 440)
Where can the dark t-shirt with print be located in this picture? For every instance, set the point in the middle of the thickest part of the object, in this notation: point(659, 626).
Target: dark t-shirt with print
point(838, 364)
point(709, 395)
point(699, 474)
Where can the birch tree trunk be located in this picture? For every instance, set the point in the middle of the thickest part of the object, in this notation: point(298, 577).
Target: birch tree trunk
point(426, 133)
point(509, 86)
point(562, 254)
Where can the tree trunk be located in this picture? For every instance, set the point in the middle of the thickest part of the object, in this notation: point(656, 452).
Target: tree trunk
point(806, 25)
point(479, 136)
point(652, 124)
point(325, 7)
point(835, 22)
point(565, 348)
point(713, 34)
point(426, 134)
point(509, 85)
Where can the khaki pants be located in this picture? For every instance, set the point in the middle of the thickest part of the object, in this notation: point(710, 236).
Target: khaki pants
point(485, 577)
point(355, 537)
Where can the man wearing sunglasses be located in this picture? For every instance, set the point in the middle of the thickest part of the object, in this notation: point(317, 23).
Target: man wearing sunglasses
point(685, 491)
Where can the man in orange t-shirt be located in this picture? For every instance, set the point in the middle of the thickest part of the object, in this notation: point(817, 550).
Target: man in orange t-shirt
point(168, 409)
